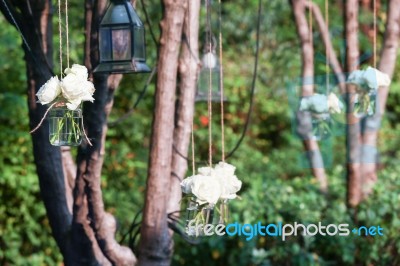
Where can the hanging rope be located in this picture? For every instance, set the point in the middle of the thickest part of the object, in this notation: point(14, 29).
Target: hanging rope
point(60, 36)
point(252, 92)
point(67, 30)
point(209, 104)
point(221, 84)
point(190, 75)
point(374, 35)
point(310, 21)
point(326, 46)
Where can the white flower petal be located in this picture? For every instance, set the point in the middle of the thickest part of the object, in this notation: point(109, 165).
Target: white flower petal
point(72, 105)
point(206, 189)
point(317, 103)
point(49, 91)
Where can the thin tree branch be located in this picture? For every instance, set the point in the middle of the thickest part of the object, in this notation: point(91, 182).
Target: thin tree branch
point(324, 30)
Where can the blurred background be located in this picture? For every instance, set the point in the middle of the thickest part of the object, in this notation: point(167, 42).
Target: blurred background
point(271, 162)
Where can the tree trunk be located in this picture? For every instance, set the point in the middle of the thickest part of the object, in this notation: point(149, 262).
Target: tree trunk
point(34, 18)
point(304, 127)
point(188, 69)
point(353, 123)
point(372, 124)
point(97, 241)
point(155, 242)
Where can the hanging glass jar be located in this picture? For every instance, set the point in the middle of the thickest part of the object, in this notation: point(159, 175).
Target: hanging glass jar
point(321, 125)
point(364, 103)
point(65, 126)
point(223, 212)
point(197, 217)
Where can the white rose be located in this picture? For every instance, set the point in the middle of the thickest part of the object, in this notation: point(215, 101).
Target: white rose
point(205, 171)
point(209, 60)
point(78, 70)
point(186, 184)
point(230, 184)
point(49, 91)
point(369, 79)
point(75, 86)
point(334, 104)
point(356, 77)
point(225, 168)
point(206, 189)
point(318, 103)
point(375, 78)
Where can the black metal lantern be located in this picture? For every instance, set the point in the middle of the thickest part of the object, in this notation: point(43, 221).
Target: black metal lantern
point(210, 75)
point(121, 40)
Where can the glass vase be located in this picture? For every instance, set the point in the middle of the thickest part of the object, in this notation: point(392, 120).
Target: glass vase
point(364, 103)
point(65, 126)
point(223, 212)
point(321, 126)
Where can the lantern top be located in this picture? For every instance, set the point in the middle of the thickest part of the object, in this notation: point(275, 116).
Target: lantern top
point(122, 46)
point(121, 12)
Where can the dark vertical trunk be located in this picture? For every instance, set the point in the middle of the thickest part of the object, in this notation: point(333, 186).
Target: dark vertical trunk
point(34, 18)
point(353, 123)
point(98, 240)
point(304, 127)
point(155, 242)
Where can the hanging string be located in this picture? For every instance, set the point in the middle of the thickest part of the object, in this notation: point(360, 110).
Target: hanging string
point(326, 46)
point(60, 35)
point(252, 92)
point(221, 84)
point(374, 35)
point(44, 116)
point(209, 104)
point(310, 21)
point(190, 75)
point(67, 30)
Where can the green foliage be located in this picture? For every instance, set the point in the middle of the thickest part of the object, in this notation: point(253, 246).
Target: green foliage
point(270, 199)
point(277, 186)
point(25, 237)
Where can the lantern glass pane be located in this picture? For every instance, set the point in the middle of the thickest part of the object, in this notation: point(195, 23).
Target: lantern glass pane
point(208, 77)
point(138, 44)
point(116, 14)
point(121, 44)
point(105, 44)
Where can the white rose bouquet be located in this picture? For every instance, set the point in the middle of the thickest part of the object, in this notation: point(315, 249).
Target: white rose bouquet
point(368, 82)
point(321, 107)
point(69, 92)
point(208, 187)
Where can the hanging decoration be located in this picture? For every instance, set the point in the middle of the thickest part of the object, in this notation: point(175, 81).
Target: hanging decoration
point(210, 67)
point(208, 194)
point(367, 84)
point(321, 107)
point(64, 97)
point(209, 191)
point(122, 46)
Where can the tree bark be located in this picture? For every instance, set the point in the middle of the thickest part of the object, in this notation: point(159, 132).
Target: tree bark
point(372, 124)
point(333, 60)
point(155, 242)
point(353, 123)
point(98, 239)
point(34, 18)
point(188, 70)
point(304, 127)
